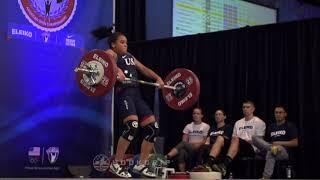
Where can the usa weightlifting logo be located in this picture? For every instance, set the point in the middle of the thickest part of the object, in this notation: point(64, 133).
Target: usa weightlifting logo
point(48, 15)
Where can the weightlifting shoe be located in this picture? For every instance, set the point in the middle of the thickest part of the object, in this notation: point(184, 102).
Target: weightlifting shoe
point(143, 170)
point(220, 168)
point(117, 170)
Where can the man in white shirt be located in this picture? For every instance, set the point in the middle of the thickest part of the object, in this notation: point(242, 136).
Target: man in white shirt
point(243, 131)
point(194, 135)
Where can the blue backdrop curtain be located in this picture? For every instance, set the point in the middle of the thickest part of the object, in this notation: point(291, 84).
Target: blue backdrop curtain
point(42, 110)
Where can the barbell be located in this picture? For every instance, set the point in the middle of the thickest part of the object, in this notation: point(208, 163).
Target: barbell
point(96, 75)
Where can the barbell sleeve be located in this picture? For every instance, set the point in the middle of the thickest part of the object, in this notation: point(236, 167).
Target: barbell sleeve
point(85, 70)
point(149, 83)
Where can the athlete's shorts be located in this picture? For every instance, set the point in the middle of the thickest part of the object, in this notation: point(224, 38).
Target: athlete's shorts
point(130, 102)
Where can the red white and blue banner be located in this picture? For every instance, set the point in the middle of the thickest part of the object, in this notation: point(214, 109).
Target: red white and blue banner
point(46, 123)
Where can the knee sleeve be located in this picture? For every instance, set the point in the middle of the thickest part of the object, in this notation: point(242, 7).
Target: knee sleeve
point(130, 130)
point(151, 131)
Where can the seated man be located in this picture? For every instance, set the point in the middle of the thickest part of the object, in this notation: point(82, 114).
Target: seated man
point(194, 135)
point(217, 142)
point(241, 142)
point(282, 136)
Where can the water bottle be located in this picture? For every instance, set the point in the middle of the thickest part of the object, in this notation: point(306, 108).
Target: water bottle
point(289, 172)
point(230, 175)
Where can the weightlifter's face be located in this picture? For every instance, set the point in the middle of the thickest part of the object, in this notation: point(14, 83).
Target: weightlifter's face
point(280, 114)
point(120, 46)
point(197, 115)
point(219, 116)
point(247, 109)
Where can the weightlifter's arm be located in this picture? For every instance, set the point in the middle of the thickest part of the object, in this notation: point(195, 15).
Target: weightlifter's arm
point(148, 72)
point(120, 74)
